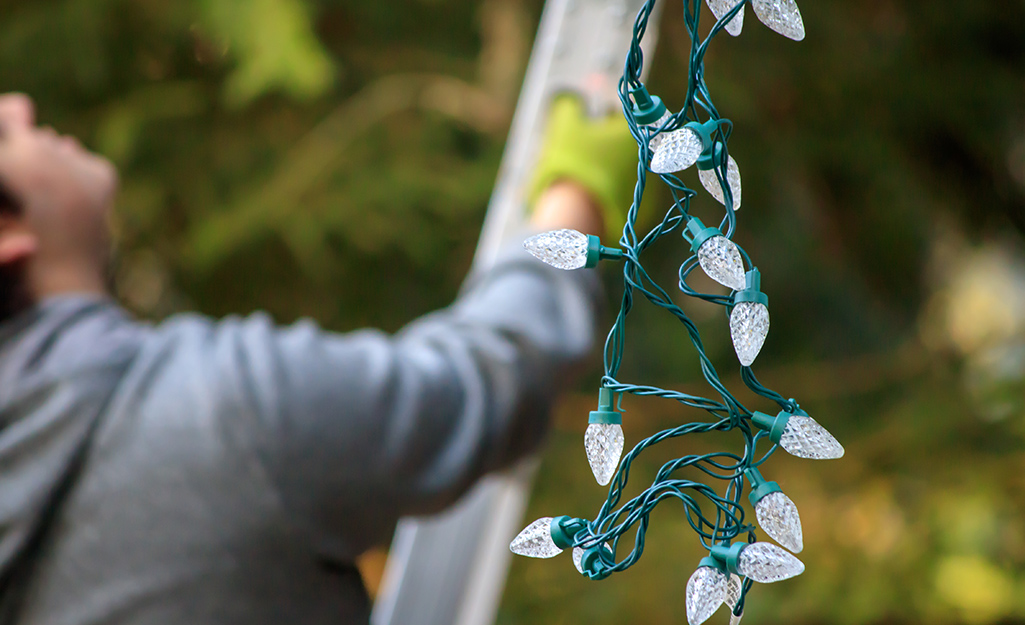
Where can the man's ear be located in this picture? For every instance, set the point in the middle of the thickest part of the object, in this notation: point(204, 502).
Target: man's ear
point(17, 243)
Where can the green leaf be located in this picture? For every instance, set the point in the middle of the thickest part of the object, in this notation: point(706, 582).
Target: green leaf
point(274, 46)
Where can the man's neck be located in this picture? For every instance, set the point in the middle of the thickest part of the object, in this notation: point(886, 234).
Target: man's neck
point(64, 279)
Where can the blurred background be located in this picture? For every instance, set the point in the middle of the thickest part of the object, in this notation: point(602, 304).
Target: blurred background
point(334, 159)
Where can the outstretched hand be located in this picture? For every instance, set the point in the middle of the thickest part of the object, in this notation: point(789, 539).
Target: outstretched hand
point(566, 204)
point(597, 157)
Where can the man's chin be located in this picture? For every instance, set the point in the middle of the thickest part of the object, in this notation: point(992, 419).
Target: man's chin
point(105, 181)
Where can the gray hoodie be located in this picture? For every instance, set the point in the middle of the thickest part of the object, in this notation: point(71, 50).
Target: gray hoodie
point(220, 472)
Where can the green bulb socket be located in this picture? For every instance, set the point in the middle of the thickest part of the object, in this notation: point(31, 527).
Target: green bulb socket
point(597, 252)
point(564, 529)
point(728, 556)
point(760, 487)
point(647, 109)
point(594, 565)
point(711, 158)
point(712, 154)
point(752, 292)
point(697, 233)
point(775, 426)
point(704, 131)
point(711, 562)
point(605, 412)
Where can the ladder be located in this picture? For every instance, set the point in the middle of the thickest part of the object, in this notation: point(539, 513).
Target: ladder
point(450, 569)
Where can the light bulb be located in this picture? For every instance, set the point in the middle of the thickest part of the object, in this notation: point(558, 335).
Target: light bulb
point(720, 259)
point(805, 438)
point(718, 256)
point(569, 249)
point(565, 249)
point(603, 440)
point(776, 513)
point(678, 150)
point(710, 181)
point(778, 516)
point(767, 563)
point(603, 443)
point(535, 540)
point(706, 591)
point(722, 7)
point(749, 325)
point(547, 536)
point(734, 588)
point(782, 16)
point(749, 321)
point(799, 434)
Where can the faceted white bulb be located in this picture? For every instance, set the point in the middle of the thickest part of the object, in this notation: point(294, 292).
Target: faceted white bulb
point(657, 140)
point(578, 557)
point(536, 541)
point(749, 325)
point(781, 16)
point(720, 259)
point(734, 587)
point(778, 516)
point(706, 590)
point(678, 150)
point(805, 438)
point(711, 183)
point(565, 249)
point(603, 443)
point(766, 563)
point(721, 7)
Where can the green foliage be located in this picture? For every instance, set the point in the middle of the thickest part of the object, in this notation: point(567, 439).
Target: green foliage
point(274, 44)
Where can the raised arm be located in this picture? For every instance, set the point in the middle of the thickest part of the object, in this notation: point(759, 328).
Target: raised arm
point(362, 428)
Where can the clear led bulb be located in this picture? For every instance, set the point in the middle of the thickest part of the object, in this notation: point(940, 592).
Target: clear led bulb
point(777, 516)
point(677, 151)
point(706, 591)
point(805, 438)
point(535, 540)
point(565, 249)
point(767, 563)
point(710, 181)
point(799, 434)
point(782, 16)
point(749, 325)
point(722, 7)
point(720, 260)
point(603, 443)
point(734, 588)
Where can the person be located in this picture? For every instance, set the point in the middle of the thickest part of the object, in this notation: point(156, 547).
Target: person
point(230, 471)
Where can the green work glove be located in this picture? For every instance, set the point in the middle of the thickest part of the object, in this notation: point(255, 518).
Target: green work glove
point(598, 154)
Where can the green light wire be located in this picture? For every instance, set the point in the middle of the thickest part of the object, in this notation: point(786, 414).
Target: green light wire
point(727, 413)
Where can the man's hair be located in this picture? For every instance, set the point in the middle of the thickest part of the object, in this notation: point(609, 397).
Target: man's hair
point(12, 291)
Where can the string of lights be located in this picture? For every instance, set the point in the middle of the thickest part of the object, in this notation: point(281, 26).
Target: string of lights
point(668, 144)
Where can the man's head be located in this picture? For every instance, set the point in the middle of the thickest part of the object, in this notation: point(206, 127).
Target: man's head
point(54, 203)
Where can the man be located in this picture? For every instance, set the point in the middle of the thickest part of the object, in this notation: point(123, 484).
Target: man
point(201, 471)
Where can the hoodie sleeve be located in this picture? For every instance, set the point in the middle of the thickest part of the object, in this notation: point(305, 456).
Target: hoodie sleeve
point(362, 428)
